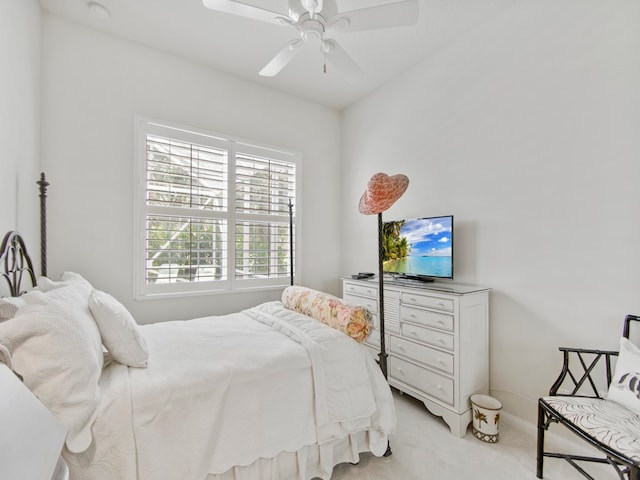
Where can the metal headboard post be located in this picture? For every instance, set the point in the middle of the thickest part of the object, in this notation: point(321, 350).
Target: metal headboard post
point(43, 224)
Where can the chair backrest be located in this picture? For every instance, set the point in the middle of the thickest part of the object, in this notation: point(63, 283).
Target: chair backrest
point(627, 324)
point(588, 372)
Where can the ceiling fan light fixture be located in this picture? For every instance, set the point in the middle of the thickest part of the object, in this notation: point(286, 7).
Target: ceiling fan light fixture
point(295, 44)
point(328, 46)
point(311, 30)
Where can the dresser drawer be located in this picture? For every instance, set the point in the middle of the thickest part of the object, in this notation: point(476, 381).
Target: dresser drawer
point(426, 317)
point(360, 290)
point(432, 337)
point(431, 383)
point(422, 354)
point(370, 304)
point(428, 301)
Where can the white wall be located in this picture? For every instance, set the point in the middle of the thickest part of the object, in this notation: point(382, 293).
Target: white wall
point(20, 119)
point(527, 131)
point(93, 85)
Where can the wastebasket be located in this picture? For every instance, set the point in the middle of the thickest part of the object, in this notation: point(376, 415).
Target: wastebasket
point(485, 411)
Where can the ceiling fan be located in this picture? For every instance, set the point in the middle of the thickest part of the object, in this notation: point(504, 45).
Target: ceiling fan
point(314, 19)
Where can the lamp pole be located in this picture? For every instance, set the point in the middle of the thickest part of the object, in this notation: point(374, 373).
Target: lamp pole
point(383, 350)
point(382, 191)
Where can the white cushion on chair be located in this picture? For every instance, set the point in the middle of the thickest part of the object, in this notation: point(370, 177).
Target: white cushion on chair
point(608, 422)
point(625, 385)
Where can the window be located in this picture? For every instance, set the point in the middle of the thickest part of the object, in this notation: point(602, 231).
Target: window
point(212, 212)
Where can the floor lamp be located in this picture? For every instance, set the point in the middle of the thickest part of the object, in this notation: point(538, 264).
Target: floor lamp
point(382, 192)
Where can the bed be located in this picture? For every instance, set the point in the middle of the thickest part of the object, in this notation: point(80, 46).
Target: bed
point(263, 394)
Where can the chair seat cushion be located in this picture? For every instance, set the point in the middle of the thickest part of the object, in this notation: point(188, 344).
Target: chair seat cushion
point(608, 422)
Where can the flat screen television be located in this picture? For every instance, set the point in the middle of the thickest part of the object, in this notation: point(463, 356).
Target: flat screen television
point(418, 248)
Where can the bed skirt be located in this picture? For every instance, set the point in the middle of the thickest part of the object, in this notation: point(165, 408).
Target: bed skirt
point(310, 462)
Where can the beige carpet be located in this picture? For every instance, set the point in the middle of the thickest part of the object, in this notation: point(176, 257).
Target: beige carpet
point(423, 448)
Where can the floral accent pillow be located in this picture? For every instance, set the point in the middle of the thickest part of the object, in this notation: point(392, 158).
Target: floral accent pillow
point(352, 320)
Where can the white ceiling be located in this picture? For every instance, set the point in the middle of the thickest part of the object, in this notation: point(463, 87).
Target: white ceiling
point(242, 46)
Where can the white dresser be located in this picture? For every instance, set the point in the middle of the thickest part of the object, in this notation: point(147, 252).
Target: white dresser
point(437, 338)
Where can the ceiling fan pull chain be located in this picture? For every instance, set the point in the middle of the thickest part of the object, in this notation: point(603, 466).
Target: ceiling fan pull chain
point(324, 61)
point(324, 55)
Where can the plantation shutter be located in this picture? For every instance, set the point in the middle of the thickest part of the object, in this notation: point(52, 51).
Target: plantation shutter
point(186, 188)
point(264, 188)
point(213, 213)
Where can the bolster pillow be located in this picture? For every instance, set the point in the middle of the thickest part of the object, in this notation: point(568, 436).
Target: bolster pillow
point(352, 320)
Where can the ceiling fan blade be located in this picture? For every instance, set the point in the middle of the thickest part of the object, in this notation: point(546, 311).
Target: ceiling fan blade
point(281, 60)
point(341, 60)
point(398, 14)
point(244, 10)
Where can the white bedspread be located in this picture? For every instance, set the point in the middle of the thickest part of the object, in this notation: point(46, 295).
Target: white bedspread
point(225, 391)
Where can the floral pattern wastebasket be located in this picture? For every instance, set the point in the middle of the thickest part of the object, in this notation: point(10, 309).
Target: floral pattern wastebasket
point(486, 417)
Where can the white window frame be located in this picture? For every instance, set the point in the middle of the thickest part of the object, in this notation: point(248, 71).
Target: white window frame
point(144, 126)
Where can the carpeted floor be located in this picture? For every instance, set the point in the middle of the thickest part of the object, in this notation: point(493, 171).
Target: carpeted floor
point(424, 449)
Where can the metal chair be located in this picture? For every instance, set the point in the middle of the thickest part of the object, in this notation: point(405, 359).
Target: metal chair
point(575, 402)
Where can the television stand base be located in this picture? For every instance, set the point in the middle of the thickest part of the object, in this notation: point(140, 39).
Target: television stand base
point(412, 279)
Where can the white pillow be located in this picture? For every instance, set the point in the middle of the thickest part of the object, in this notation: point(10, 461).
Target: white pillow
point(120, 333)
point(45, 284)
point(56, 347)
point(9, 306)
point(625, 385)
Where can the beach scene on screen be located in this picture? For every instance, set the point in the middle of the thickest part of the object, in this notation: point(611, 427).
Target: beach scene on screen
point(420, 246)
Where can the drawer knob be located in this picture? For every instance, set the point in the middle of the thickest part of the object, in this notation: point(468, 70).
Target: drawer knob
point(440, 321)
point(440, 387)
point(440, 361)
point(441, 340)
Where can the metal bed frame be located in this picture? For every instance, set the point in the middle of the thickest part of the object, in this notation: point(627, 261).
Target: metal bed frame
point(17, 265)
